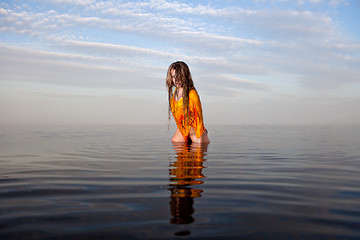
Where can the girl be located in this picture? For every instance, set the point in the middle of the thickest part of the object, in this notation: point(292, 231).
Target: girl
point(185, 105)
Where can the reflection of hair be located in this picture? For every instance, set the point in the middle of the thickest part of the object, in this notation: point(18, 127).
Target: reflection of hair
point(181, 205)
point(183, 75)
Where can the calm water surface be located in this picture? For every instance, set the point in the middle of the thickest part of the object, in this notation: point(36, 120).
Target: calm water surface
point(123, 182)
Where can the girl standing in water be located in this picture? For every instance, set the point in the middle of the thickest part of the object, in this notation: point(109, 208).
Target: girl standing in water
point(185, 105)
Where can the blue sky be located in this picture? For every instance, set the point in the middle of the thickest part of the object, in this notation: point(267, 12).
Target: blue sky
point(253, 62)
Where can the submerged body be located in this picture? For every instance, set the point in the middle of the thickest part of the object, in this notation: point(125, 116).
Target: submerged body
point(193, 129)
point(185, 105)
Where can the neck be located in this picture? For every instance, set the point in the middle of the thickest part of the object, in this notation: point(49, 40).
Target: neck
point(179, 93)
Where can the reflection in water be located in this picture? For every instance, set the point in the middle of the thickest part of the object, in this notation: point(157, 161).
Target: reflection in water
point(185, 172)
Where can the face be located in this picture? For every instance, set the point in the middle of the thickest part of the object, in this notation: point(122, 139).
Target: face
point(175, 80)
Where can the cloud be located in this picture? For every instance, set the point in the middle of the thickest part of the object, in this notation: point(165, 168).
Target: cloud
point(225, 43)
point(335, 3)
point(83, 70)
point(111, 49)
point(261, 57)
point(332, 3)
point(72, 2)
point(22, 64)
point(137, 18)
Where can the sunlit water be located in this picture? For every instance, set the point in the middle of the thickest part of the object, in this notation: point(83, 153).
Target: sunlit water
point(251, 182)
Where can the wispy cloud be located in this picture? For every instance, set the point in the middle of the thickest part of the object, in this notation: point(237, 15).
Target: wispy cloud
point(21, 64)
point(230, 48)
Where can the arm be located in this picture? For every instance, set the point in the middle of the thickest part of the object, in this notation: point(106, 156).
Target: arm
point(198, 132)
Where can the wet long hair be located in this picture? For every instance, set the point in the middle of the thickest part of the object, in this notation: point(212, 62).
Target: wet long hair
point(183, 75)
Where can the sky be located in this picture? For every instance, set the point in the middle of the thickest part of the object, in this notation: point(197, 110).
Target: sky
point(253, 62)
